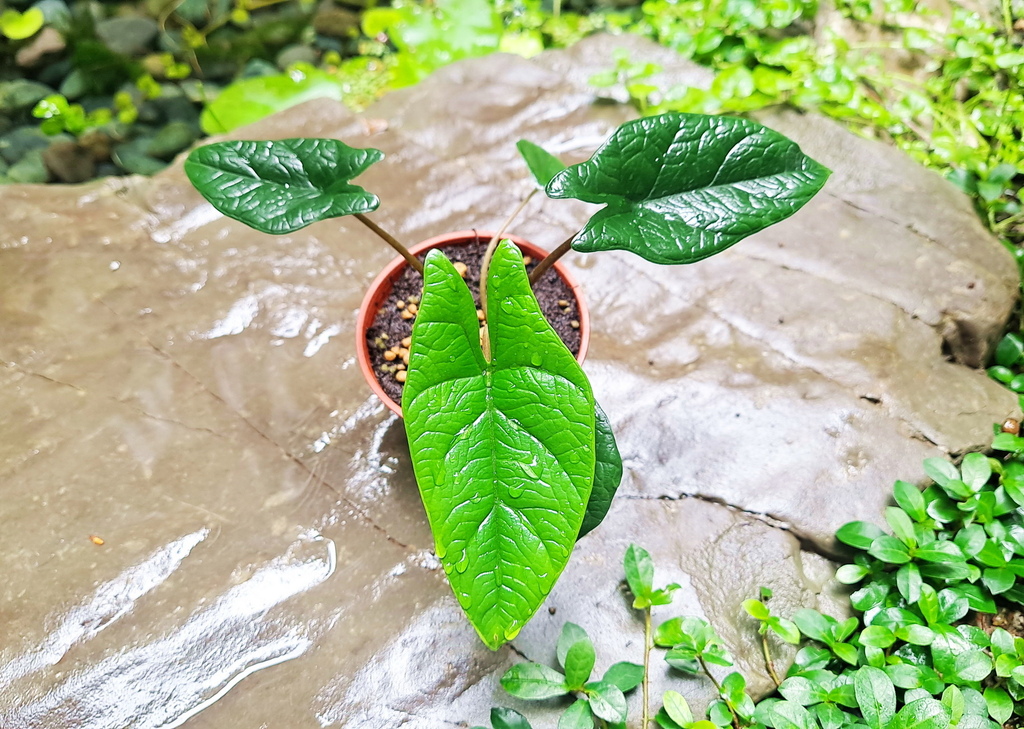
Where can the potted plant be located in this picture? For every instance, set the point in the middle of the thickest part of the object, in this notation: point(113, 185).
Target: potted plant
point(513, 457)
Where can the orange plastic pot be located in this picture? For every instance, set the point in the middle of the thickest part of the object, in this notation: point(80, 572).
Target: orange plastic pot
point(381, 287)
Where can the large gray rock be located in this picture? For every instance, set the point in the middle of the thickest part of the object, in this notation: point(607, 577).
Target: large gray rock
point(185, 389)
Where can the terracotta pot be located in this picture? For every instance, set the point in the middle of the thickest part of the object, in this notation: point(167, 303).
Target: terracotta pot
point(380, 289)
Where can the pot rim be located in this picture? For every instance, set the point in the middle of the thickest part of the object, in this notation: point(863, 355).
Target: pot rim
point(386, 278)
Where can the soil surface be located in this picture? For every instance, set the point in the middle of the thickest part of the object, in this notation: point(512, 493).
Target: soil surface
point(390, 328)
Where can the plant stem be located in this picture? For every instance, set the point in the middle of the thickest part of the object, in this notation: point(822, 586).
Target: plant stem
point(647, 668)
point(718, 687)
point(391, 241)
point(768, 662)
point(485, 262)
point(550, 259)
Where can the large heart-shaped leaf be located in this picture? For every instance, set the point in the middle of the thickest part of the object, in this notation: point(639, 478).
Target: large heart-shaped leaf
point(682, 187)
point(503, 451)
point(607, 473)
point(281, 186)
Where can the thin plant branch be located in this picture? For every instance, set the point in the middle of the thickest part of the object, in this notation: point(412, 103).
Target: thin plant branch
point(768, 662)
point(647, 669)
point(391, 241)
point(550, 259)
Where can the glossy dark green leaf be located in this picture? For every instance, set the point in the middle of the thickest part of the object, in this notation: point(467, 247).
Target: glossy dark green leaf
point(922, 714)
point(790, 715)
point(533, 681)
point(889, 549)
point(627, 676)
point(281, 186)
point(813, 624)
point(940, 470)
point(876, 696)
point(682, 187)
point(639, 568)
point(607, 473)
point(579, 662)
point(972, 666)
point(1009, 350)
point(577, 716)
point(1000, 705)
point(606, 701)
point(908, 582)
point(543, 165)
point(802, 691)
point(976, 470)
point(502, 718)
point(503, 451)
point(901, 525)
point(859, 534)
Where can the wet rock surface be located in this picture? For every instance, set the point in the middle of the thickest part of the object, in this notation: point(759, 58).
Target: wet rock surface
point(185, 389)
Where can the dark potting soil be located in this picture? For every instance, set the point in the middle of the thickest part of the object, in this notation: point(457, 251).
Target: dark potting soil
point(389, 328)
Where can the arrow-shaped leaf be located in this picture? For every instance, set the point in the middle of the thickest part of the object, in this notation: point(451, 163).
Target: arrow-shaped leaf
point(607, 473)
point(503, 451)
point(281, 186)
point(682, 187)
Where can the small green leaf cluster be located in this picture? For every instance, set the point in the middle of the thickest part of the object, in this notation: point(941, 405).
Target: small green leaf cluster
point(1008, 364)
point(603, 699)
point(60, 115)
point(912, 657)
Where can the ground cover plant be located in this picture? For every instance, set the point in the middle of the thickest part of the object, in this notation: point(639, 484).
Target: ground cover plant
point(934, 641)
point(513, 457)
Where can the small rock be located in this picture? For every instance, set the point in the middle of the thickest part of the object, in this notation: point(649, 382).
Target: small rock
point(19, 95)
point(336, 22)
point(30, 169)
point(98, 143)
point(296, 54)
point(257, 68)
point(127, 36)
point(132, 157)
point(401, 376)
point(69, 162)
point(171, 139)
point(460, 268)
point(49, 40)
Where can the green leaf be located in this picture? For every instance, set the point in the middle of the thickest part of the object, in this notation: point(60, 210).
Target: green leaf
point(502, 450)
point(813, 624)
point(1009, 350)
point(976, 470)
point(940, 551)
point(639, 569)
point(908, 582)
point(1000, 705)
point(19, 26)
point(877, 636)
point(543, 165)
point(579, 662)
point(940, 471)
point(803, 691)
point(570, 635)
point(972, 666)
point(922, 714)
point(682, 187)
point(909, 497)
point(756, 609)
point(790, 715)
point(508, 719)
point(533, 681)
point(606, 701)
point(627, 676)
point(607, 473)
point(785, 629)
point(889, 549)
point(677, 708)
point(953, 699)
point(901, 525)
point(998, 579)
point(281, 186)
point(845, 652)
point(876, 696)
point(851, 574)
point(248, 100)
point(859, 534)
point(669, 633)
point(577, 716)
